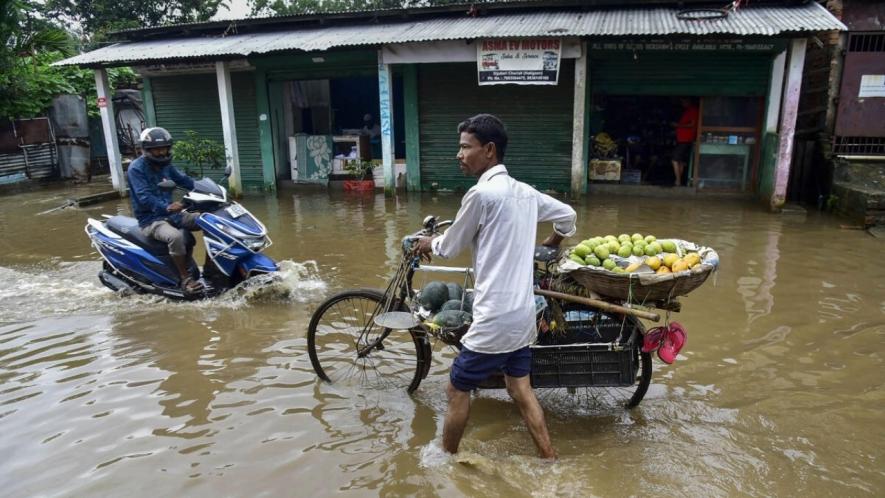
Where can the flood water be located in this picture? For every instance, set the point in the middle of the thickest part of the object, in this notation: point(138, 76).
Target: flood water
point(779, 390)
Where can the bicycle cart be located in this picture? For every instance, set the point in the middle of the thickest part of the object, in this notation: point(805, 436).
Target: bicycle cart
point(381, 338)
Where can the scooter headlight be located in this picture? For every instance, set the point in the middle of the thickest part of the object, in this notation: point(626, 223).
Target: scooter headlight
point(255, 244)
point(233, 232)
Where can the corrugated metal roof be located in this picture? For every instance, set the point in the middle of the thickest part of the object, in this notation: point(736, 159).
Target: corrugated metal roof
point(764, 21)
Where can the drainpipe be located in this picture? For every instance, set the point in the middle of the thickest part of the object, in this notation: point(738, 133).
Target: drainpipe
point(386, 121)
point(579, 131)
point(788, 123)
point(109, 126)
point(228, 127)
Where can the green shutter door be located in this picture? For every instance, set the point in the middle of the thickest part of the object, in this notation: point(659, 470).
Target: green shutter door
point(190, 102)
point(538, 120)
point(679, 73)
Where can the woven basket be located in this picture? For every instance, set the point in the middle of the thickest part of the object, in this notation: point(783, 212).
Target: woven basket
point(631, 288)
point(643, 287)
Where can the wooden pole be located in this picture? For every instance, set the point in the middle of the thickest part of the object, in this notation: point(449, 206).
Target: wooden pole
point(602, 305)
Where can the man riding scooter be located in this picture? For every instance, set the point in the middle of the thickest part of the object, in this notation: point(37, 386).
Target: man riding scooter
point(159, 217)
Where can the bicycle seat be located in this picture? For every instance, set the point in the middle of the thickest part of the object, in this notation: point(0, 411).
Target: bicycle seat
point(544, 254)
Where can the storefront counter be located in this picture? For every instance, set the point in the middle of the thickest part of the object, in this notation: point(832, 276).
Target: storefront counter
point(724, 166)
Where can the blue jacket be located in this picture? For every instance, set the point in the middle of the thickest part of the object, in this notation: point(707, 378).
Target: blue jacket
point(149, 201)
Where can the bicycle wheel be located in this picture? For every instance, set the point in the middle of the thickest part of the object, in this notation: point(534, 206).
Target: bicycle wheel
point(346, 347)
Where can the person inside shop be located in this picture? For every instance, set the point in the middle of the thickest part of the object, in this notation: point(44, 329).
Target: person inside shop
point(373, 130)
point(371, 127)
point(686, 133)
point(498, 220)
point(158, 217)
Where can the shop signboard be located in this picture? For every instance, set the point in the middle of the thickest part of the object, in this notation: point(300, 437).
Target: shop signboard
point(518, 61)
point(699, 45)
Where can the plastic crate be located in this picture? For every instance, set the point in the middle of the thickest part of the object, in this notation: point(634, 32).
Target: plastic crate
point(590, 365)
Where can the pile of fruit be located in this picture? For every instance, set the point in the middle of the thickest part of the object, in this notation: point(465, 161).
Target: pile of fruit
point(446, 305)
point(635, 253)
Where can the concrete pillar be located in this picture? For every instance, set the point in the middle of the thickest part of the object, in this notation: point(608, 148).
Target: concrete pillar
point(789, 112)
point(579, 131)
point(228, 127)
point(385, 105)
point(109, 126)
point(775, 89)
point(412, 128)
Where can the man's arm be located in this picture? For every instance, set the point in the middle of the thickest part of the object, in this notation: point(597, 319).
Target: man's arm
point(460, 234)
point(140, 188)
point(561, 214)
point(180, 178)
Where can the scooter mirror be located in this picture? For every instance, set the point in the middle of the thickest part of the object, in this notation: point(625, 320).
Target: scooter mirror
point(227, 170)
point(167, 184)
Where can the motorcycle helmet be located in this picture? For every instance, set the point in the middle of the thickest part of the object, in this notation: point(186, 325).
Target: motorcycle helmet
point(155, 138)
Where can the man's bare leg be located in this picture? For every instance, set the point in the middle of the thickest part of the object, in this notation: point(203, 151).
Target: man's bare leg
point(520, 389)
point(456, 418)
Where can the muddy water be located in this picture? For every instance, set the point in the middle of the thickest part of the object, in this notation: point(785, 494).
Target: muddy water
point(779, 390)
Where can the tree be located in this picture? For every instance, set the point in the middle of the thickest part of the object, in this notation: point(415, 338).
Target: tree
point(29, 45)
point(98, 18)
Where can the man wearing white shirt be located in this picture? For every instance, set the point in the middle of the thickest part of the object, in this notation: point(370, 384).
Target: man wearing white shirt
point(498, 219)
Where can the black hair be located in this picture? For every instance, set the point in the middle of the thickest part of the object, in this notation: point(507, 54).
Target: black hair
point(487, 128)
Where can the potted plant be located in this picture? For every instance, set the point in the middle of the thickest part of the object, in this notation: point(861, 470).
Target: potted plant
point(361, 175)
point(197, 152)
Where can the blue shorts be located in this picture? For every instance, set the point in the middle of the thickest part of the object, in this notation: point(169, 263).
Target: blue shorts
point(470, 368)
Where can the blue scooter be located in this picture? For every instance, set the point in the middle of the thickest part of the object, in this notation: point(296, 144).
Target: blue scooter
point(135, 263)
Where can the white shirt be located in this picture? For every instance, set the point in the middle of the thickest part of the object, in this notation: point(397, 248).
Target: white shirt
point(499, 219)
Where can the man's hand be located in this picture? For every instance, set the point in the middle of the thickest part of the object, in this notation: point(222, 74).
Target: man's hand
point(552, 240)
point(175, 207)
point(422, 248)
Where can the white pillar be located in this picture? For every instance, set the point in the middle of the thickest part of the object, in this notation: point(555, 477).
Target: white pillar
point(579, 162)
point(775, 89)
point(789, 113)
point(386, 121)
point(229, 127)
point(109, 125)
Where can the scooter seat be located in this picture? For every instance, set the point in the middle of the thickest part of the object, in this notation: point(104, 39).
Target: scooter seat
point(129, 229)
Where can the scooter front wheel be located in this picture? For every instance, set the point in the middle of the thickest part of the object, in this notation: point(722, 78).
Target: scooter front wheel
point(346, 347)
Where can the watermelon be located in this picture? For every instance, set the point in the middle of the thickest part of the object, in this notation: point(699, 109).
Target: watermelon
point(434, 295)
point(468, 301)
point(452, 319)
point(452, 304)
point(455, 291)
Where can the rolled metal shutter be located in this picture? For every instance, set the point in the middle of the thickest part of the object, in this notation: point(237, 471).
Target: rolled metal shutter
point(538, 120)
point(190, 102)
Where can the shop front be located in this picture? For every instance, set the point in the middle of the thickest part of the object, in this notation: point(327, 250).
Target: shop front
point(693, 108)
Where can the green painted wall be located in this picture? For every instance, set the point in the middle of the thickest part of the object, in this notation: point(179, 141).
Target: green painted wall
point(767, 163)
point(538, 120)
point(190, 102)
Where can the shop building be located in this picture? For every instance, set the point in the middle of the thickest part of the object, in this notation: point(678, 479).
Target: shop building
point(287, 95)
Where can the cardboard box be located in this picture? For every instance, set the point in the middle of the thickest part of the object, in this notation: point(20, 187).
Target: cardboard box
point(607, 170)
